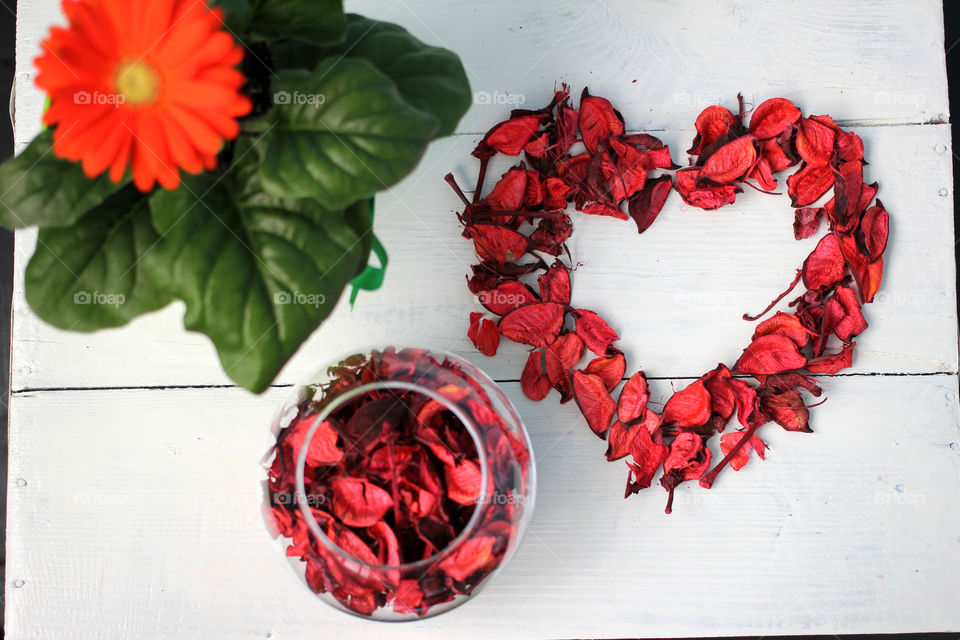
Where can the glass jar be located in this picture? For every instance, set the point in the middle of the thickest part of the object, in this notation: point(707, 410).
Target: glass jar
point(398, 483)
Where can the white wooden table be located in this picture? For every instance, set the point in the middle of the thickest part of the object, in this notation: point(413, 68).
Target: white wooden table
point(133, 502)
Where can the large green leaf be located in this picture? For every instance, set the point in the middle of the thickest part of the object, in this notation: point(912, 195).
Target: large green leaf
point(430, 78)
point(317, 21)
point(320, 22)
point(258, 273)
point(236, 12)
point(90, 275)
point(340, 133)
point(38, 188)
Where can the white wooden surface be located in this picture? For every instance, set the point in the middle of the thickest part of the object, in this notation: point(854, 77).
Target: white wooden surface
point(133, 510)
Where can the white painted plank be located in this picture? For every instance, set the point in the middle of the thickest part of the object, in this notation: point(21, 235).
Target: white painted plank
point(139, 519)
point(675, 294)
point(860, 60)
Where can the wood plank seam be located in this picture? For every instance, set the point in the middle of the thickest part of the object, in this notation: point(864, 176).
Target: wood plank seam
point(176, 387)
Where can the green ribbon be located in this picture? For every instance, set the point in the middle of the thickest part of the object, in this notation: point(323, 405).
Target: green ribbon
point(371, 278)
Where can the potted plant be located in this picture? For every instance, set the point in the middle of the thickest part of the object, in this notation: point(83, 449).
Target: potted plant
point(224, 156)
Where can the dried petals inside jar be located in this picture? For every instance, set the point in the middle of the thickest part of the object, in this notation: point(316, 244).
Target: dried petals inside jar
point(400, 481)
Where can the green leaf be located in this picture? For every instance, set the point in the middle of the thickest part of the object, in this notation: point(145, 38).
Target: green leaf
point(258, 273)
point(90, 275)
point(38, 188)
point(341, 133)
point(321, 22)
point(430, 78)
point(237, 14)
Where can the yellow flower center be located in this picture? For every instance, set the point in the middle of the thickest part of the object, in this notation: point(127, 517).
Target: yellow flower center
point(137, 82)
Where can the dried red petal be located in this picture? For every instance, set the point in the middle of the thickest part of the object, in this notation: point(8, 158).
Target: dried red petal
point(533, 194)
point(610, 367)
point(594, 330)
point(533, 380)
point(561, 355)
point(787, 410)
point(598, 120)
point(807, 185)
point(772, 116)
point(707, 198)
point(388, 551)
point(742, 456)
point(688, 457)
point(573, 170)
point(509, 295)
point(867, 275)
point(784, 324)
point(770, 354)
point(551, 233)
point(647, 204)
point(746, 397)
point(511, 136)
point(712, 124)
point(555, 194)
point(364, 426)
point(784, 381)
point(846, 318)
point(473, 556)
point(869, 282)
point(358, 503)
point(645, 142)
point(689, 407)
point(603, 209)
point(323, 449)
point(815, 142)
point(849, 146)
point(657, 158)
point(844, 223)
point(594, 401)
point(464, 481)
point(722, 399)
point(618, 440)
point(534, 324)
point(806, 222)
point(355, 546)
point(538, 146)
point(773, 152)
point(731, 162)
point(496, 243)
point(630, 173)
point(484, 334)
point(508, 193)
point(555, 284)
point(763, 175)
point(409, 597)
point(566, 129)
point(847, 193)
point(824, 266)
point(633, 399)
point(874, 228)
point(621, 437)
point(831, 364)
point(648, 454)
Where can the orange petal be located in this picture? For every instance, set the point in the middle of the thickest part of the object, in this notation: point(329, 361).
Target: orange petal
point(103, 155)
point(182, 152)
point(204, 137)
point(119, 166)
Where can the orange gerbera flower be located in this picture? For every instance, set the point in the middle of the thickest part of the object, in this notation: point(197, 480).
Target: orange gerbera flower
point(150, 85)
